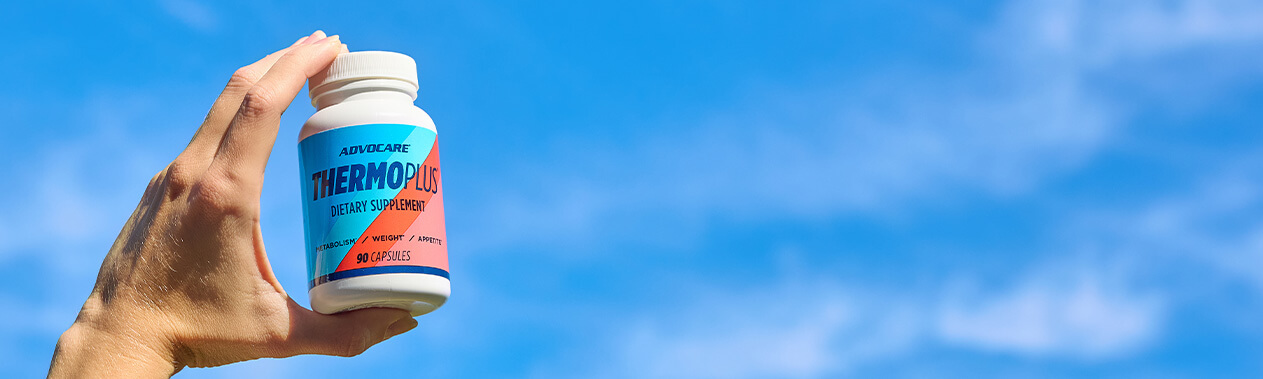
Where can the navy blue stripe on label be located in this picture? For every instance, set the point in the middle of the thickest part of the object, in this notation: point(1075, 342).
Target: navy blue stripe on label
point(378, 270)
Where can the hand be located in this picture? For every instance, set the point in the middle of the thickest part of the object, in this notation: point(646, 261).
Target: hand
point(187, 282)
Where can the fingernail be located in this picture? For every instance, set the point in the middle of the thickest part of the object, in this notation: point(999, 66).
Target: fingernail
point(401, 326)
point(315, 37)
point(299, 41)
point(331, 38)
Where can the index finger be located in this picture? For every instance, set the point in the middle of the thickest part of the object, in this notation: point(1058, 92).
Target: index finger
point(244, 151)
point(205, 141)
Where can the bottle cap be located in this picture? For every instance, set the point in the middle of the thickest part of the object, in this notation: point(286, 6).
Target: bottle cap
point(366, 65)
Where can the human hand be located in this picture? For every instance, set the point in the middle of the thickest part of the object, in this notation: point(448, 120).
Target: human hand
point(187, 282)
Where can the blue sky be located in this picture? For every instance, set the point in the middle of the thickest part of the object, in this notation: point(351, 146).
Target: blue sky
point(715, 189)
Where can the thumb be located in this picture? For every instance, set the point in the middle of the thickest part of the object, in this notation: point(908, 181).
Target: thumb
point(344, 334)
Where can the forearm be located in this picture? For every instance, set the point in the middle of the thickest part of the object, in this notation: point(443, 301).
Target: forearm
point(87, 350)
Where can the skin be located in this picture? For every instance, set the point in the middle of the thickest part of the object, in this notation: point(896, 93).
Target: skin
point(187, 283)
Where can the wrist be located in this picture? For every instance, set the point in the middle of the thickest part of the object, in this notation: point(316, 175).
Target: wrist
point(100, 348)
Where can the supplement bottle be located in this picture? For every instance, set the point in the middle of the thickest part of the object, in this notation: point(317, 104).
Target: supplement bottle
point(372, 189)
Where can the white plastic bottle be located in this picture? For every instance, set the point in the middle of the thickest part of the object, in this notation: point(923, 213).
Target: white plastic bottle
point(372, 189)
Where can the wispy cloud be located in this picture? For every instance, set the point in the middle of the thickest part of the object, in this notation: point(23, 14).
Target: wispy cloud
point(803, 328)
point(1088, 298)
point(62, 226)
point(1073, 314)
point(1033, 108)
point(67, 204)
point(793, 330)
point(191, 13)
point(1211, 225)
point(1096, 34)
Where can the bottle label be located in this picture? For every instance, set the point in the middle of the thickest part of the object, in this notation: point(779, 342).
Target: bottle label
point(373, 202)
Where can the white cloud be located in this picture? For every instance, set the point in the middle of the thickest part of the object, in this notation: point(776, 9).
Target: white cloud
point(790, 331)
point(1094, 34)
point(1090, 302)
point(61, 226)
point(67, 203)
point(807, 329)
point(1000, 129)
point(1078, 316)
point(1213, 224)
point(191, 13)
point(1032, 108)
point(797, 350)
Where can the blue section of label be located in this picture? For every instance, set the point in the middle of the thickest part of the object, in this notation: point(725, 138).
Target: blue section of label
point(342, 172)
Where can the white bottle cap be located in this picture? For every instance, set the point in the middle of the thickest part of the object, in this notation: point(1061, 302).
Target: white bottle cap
point(366, 65)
